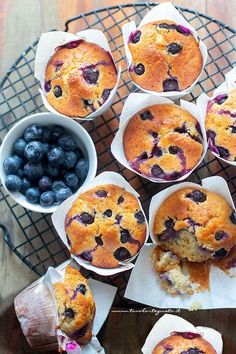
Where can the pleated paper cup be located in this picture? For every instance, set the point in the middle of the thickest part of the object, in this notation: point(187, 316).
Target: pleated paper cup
point(203, 101)
point(134, 103)
point(47, 46)
point(168, 324)
point(59, 216)
point(164, 11)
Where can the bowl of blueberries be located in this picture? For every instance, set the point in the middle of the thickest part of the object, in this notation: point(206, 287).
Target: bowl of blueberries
point(44, 159)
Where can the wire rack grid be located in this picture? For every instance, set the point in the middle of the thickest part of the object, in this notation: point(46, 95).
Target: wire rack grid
point(31, 235)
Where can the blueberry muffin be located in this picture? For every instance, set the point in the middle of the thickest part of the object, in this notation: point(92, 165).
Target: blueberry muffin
point(76, 307)
point(184, 343)
point(177, 276)
point(221, 125)
point(105, 226)
point(79, 78)
point(165, 57)
point(163, 142)
point(195, 224)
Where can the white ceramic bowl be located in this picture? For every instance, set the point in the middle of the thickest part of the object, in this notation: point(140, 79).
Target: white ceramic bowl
point(47, 119)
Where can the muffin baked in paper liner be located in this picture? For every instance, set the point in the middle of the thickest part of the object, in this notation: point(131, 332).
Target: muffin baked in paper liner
point(165, 11)
point(168, 324)
point(202, 102)
point(58, 219)
point(46, 47)
point(134, 103)
point(103, 296)
point(144, 284)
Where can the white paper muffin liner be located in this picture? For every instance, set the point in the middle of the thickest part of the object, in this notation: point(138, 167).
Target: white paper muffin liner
point(47, 45)
point(222, 287)
point(168, 324)
point(202, 102)
point(58, 219)
point(134, 103)
point(103, 296)
point(164, 11)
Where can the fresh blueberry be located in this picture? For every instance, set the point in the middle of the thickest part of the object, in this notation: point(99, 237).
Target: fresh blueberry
point(70, 159)
point(34, 151)
point(120, 200)
point(157, 171)
point(33, 132)
point(223, 152)
point(56, 157)
point(220, 235)
point(71, 180)
point(32, 195)
point(79, 154)
point(58, 185)
point(139, 69)
point(45, 183)
point(86, 218)
point(101, 193)
point(67, 143)
point(99, 240)
point(47, 85)
point(221, 253)
point(19, 147)
point(33, 170)
point(52, 172)
point(124, 236)
point(47, 198)
point(121, 254)
point(197, 196)
point(81, 168)
point(46, 135)
point(63, 194)
point(57, 131)
point(20, 173)
point(13, 183)
point(57, 91)
point(173, 150)
point(46, 148)
point(170, 84)
point(69, 313)
point(135, 37)
point(146, 115)
point(25, 185)
point(233, 218)
point(169, 223)
point(139, 217)
point(11, 164)
point(108, 213)
point(90, 75)
point(174, 48)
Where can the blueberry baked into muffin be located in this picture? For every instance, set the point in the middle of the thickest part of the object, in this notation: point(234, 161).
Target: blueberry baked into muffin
point(76, 307)
point(221, 125)
point(105, 226)
point(165, 57)
point(195, 224)
point(79, 78)
point(184, 343)
point(163, 141)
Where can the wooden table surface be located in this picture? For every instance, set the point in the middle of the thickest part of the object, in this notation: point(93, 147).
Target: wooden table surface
point(21, 21)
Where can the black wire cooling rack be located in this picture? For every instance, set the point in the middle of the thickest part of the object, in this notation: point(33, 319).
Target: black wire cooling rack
point(31, 235)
